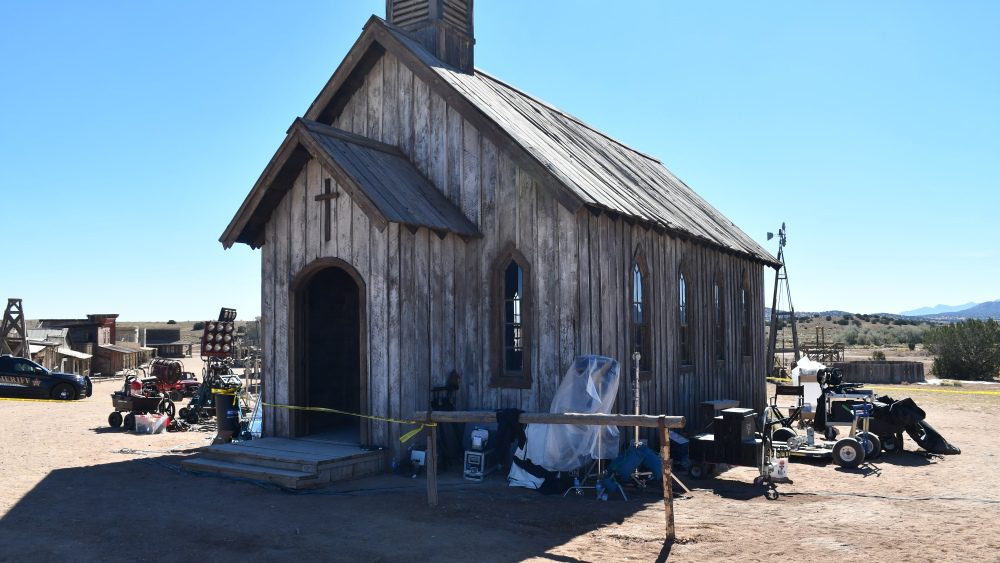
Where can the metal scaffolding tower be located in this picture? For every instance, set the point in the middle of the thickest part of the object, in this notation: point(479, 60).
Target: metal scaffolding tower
point(13, 336)
point(781, 279)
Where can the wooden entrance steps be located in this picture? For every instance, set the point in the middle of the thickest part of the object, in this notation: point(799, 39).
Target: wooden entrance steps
point(291, 463)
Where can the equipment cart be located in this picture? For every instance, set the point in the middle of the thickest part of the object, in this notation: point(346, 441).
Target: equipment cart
point(126, 401)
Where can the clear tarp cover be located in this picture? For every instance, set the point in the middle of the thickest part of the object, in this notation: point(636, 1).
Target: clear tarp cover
point(589, 386)
point(804, 374)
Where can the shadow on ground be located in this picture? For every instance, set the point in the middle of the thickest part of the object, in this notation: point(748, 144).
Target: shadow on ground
point(148, 508)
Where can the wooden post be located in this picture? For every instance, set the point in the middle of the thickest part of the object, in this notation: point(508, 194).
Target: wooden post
point(668, 493)
point(431, 464)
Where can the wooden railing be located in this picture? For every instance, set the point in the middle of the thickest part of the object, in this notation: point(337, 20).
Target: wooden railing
point(663, 423)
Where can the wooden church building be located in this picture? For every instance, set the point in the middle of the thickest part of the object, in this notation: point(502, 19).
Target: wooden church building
point(425, 217)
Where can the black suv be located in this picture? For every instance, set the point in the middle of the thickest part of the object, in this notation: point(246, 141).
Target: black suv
point(23, 378)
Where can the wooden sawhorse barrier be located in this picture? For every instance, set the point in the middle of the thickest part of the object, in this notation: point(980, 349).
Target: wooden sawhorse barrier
point(663, 423)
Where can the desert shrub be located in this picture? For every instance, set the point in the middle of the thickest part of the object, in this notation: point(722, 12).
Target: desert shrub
point(879, 336)
point(848, 316)
point(198, 326)
point(843, 322)
point(856, 322)
point(829, 318)
point(878, 356)
point(171, 322)
point(911, 345)
point(966, 350)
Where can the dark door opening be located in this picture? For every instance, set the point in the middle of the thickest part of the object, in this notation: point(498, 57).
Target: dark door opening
point(332, 318)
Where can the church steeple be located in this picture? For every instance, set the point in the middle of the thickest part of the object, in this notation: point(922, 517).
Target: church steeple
point(443, 27)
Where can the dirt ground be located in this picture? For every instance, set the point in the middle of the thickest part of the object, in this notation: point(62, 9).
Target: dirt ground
point(73, 489)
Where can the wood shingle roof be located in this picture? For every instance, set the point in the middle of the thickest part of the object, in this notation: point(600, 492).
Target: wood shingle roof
point(597, 169)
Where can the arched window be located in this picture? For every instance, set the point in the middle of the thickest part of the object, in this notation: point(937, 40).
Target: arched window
point(684, 319)
point(641, 315)
point(512, 324)
point(746, 328)
point(718, 321)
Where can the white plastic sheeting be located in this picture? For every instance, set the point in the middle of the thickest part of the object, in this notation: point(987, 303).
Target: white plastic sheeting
point(589, 386)
point(804, 374)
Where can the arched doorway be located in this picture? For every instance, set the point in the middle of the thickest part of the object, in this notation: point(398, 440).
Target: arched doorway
point(331, 358)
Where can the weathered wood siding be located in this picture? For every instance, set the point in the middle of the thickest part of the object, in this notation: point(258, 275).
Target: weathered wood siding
point(430, 299)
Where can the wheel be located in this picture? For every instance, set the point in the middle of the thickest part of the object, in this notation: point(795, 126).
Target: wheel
point(115, 419)
point(871, 443)
point(183, 413)
point(697, 471)
point(192, 416)
point(847, 452)
point(166, 407)
point(783, 434)
point(130, 422)
point(63, 392)
point(771, 493)
point(892, 443)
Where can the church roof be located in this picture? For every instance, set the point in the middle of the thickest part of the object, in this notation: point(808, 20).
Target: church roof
point(583, 166)
point(377, 176)
point(599, 170)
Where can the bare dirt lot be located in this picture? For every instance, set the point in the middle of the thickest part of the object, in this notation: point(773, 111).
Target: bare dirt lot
point(72, 489)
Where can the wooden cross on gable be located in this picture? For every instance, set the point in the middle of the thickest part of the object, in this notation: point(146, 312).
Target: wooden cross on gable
point(328, 195)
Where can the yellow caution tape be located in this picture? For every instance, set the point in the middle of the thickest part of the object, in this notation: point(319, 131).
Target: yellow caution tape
point(34, 400)
point(927, 389)
point(223, 391)
point(403, 438)
point(932, 390)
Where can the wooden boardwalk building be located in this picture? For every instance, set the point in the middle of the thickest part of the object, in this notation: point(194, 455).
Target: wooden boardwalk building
point(424, 217)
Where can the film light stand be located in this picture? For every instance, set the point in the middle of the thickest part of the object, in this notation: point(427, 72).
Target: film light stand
point(638, 477)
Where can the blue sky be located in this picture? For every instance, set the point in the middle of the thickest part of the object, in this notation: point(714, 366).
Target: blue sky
point(132, 131)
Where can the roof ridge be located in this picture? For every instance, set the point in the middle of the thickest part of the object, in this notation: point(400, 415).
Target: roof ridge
point(569, 116)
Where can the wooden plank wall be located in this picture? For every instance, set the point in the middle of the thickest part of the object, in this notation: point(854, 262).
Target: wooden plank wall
point(429, 300)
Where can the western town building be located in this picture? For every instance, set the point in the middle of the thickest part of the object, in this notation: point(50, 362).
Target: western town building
point(425, 217)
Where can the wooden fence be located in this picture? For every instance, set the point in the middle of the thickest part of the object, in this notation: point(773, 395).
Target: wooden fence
point(881, 371)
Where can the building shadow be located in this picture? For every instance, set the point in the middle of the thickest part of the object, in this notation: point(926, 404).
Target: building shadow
point(148, 508)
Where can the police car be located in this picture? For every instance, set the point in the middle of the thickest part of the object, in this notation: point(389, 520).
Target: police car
point(21, 378)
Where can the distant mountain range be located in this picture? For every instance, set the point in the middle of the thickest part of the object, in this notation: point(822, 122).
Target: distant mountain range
point(989, 309)
point(936, 314)
point(924, 311)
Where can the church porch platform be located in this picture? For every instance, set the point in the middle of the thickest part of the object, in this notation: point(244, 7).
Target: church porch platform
point(299, 463)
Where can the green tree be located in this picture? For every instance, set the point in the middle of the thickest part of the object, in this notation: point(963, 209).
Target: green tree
point(966, 350)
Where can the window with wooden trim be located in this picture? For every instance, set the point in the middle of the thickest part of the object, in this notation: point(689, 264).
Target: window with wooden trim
point(684, 319)
point(641, 316)
point(718, 322)
point(745, 325)
point(512, 321)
